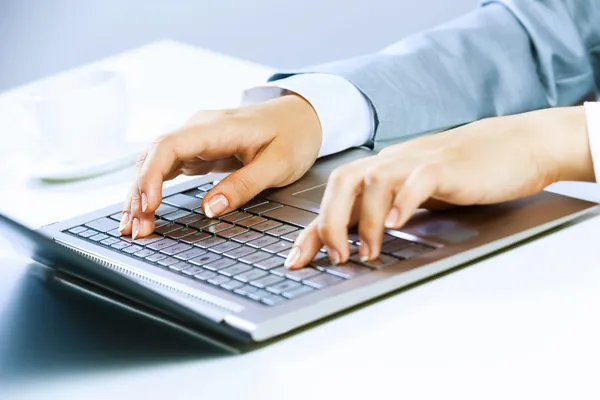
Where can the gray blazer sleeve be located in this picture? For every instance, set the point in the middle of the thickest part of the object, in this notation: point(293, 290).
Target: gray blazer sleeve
point(506, 57)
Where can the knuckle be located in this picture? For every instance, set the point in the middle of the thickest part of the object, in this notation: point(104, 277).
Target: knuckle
point(243, 185)
point(368, 227)
point(324, 229)
point(339, 175)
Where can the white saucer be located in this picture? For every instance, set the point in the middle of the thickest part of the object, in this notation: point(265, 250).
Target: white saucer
point(52, 170)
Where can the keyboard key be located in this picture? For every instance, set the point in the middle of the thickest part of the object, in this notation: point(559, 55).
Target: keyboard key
point(281, 230)
point(120, 245)
point(205, 274)
point(236, 216)
point(77, 229)
point(219, 264)
point(281, 271)
point(381, 262)
point(190, 219)
point(147, 240)
point(164, 209)
point(168, 261)
point(209, 242)
point(156, 257)
point(235, 269)
point(255, 257)
point(192, 270)
point(292, 236)
point(285, 253)
point(164, 229)
point(144, 253)
point(353, 237)
point(103, 224)
point(183, 201)
point(205, 222)
point(270, 263)
point(272, 300)
point(176, 215)
point(206, 187)
point(395, 245)
point(161, 244)
point(301, 274)
point(178, 267)
point(160, 222)
point(191, 253)
point(266, 281)
point(132, 249)
point(278, 247)
point(194, 237)
point(175, 249)
point(245, 290)
point(322, 280)
point(225, 247)
point(248, 236)
point(251, 275)
point(348, 270)
point(297, 292)
point(236, 230)
point(110, 241)
point(259, 295)
point(221, 226)
point(262, 208)
point(88, 233)
point(117, 216)
point(231, 284)
point(98, 237)
point(412, 251)
point(218, 280)
point(291, 215)
point(254, 203)
point(204, 259)
point(262, 242)
point(181, 232)
point(240, 252)
point(247, 223)
point(282, 286)
point(115, 233)
point(265, 226)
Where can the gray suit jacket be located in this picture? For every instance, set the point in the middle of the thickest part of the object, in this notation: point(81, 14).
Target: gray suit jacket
point(506, 57)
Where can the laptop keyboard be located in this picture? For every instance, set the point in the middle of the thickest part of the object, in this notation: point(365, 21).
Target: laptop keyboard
point(242, 252)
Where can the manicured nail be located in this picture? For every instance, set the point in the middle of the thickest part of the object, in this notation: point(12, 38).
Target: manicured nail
point(144, 202)
point(334, 256)
point(292, 258)
point(364, 251)
point(135, 228)
point(124, 220)
point(392, 219)
point(216, 206)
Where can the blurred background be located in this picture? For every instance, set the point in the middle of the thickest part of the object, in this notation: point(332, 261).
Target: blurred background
point(42, 37)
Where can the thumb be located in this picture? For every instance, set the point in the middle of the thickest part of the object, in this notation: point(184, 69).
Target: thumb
point(241, 186)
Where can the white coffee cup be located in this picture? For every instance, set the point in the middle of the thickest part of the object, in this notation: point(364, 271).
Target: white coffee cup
point(82, 118)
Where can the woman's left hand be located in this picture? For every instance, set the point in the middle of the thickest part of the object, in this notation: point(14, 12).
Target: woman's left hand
point(488, 161)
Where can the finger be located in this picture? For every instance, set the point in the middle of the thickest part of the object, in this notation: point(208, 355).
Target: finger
point(203, 167)
point(343, 186)
point(241, 186)
point(378, 193)
point(141, 220)
point(421, 184)
point(305, 248)
point(125, 226)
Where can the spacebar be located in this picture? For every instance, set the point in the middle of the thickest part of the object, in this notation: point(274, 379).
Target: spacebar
point(291, 215)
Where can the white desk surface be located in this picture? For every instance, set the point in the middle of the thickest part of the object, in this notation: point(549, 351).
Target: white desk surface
point(524, 324)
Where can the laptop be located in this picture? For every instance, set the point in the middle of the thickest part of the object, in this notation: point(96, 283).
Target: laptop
point(223, 279)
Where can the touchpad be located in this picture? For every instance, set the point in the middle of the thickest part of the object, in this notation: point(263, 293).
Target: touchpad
point(314, 194)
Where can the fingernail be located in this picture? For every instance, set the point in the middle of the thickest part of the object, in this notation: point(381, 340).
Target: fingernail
point(124, 220)
point(144, 202)
point(292, 258)
point(334, 256)
point(135, 229)
point(216, 206)
point(364, 251)
point(392, 219)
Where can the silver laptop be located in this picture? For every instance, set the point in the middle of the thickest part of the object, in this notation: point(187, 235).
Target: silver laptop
point(223, 279)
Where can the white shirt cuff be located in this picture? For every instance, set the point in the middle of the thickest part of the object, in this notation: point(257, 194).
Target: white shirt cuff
point(345, 114)
point(592, 115)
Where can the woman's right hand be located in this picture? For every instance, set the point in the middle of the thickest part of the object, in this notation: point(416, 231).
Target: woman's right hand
point(270, 144)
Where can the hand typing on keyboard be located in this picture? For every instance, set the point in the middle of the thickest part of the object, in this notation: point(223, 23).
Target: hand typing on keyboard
point(270, 144)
